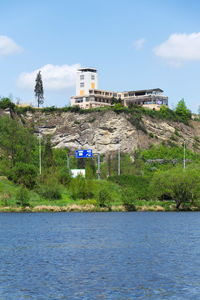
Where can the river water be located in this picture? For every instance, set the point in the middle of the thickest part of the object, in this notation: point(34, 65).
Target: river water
point(136, 255)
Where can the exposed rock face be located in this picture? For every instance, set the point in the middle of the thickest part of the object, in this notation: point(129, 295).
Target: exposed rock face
point(107, 131)
point(102, 132)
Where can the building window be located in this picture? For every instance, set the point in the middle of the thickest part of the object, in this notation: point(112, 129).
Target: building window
point(79, 100)
point(93, 77)
point(81, 77)
point(82, 84)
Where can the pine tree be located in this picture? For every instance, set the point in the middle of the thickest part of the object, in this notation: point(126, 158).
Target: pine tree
point(39, 92)
point(182, 110)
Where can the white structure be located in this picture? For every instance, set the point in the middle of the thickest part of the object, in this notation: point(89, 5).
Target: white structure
point(89, 96)
point(77, 172)
point(86, 79)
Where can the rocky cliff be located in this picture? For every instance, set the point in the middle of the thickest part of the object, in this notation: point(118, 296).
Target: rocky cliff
point(105, 131)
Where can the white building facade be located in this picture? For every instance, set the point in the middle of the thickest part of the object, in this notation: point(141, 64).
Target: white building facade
point(86, 79)
point(89, 96)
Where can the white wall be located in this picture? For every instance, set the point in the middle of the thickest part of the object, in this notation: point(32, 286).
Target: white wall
point(88, 82)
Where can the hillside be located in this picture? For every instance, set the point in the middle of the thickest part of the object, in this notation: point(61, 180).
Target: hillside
point(105, 130)
point(37, 177)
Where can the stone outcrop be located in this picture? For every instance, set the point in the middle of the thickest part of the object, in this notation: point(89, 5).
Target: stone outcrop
point(106, 131)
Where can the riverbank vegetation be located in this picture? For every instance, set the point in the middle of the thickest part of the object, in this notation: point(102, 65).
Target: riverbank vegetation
point(151, 179)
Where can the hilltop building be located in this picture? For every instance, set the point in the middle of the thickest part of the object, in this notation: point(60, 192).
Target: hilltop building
point(89, 96)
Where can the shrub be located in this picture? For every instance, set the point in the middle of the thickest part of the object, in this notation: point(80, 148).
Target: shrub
point(23, 110)
point(183, 186)
point(75, 109)
point(80, 188)
point(25, 174)
point(128, 198)
point(5, 197)
point(50, 191)
point(6, 103)
point(136, 120)
point(49, 109)
point(137, 185)
point(167, 152)
point(151, 135)
point(22, 197)
point(64, 176)
point(104, 198)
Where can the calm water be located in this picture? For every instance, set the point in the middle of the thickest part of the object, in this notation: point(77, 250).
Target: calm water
point(100, 256)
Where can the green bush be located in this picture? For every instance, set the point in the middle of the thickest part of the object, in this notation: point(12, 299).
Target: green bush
point(64, 176)
point(5, 197)
point(104, 198)
point(128, 199)
point(23, 110)
point(49, 109)
point(50, 191)
point(183, 186)
point(25, 174)
point(22, 197)
point(80, 188)
point(167, 152)
point(6, 103)
point(138, 185)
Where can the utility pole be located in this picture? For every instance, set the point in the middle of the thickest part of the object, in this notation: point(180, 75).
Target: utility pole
point(184, 161)
point(99, 161)
point(68, 158)
point(40, 154)
point(119, 161)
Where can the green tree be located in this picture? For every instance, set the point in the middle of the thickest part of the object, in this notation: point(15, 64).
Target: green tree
point(24, 173)
point(64, 175)
point(39, 92)
point(80, 188)
point(116, 101)
point(48, 159)
point(50, 189)
point(22, 197)
point(181, 186)
point(17, 143)
point(90, 168)
point(104, 198)
point(128, 199)
point(6, 103)
point(182, 110)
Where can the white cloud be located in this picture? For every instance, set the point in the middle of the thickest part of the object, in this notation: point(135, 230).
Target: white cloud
point(53, 77)
point(8, 46)
point(138, 44)
point(179, 48)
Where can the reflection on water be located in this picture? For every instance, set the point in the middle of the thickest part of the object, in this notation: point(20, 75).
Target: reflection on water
point(100, 256)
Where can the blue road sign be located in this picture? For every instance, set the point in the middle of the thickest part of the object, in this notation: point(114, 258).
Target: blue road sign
point(83, 153)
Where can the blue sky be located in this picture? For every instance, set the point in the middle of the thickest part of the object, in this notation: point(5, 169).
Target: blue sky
point(133, 44)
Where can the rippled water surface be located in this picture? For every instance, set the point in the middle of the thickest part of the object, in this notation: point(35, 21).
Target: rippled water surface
point(100, 256)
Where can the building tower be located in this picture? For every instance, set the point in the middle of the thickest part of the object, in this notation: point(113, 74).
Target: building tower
point(86, 79)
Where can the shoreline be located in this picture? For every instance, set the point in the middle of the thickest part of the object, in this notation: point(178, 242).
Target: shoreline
point(89, 208)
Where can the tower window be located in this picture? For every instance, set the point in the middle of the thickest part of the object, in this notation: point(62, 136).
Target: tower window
point(81, 77)
point(82, 84)
point(93, 77)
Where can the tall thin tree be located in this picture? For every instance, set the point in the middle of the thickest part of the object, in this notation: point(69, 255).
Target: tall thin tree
point(39, 92)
